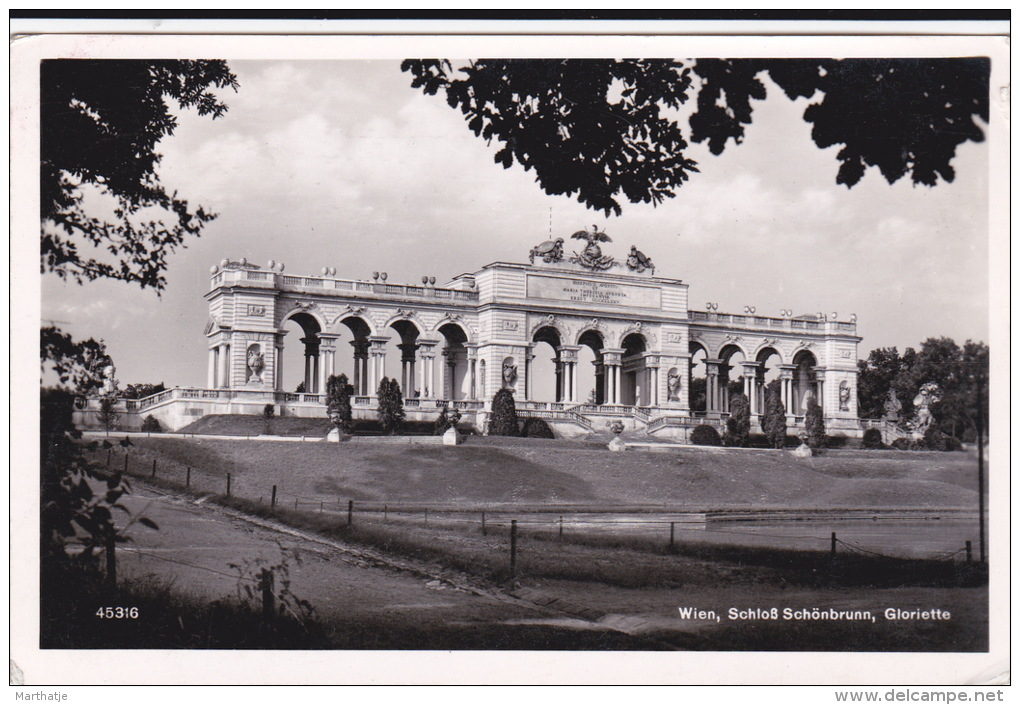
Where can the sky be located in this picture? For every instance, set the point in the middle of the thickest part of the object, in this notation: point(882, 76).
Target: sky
point(343, 164)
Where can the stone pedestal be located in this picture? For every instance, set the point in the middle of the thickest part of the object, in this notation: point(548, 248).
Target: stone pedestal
point(617, 445)
point(803, 451)
point(452, 437)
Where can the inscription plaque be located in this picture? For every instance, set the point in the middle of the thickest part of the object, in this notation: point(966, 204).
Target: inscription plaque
point(593, 292)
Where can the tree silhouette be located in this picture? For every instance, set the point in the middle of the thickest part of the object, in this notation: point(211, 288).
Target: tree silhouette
point(609, 129)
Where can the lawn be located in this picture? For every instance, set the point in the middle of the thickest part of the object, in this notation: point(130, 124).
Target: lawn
point(493, 472)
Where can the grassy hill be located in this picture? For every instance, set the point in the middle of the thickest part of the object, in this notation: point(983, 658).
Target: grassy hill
point(487, 471)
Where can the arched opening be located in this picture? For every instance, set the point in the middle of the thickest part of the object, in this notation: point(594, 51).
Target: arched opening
point(455, 377)
point(546, 367)
point(301, 372)
point(591, 377)
point(805, 381)
point(697, 379)
point(768, 360)
point(731, 374)
point(352, 355)
point(404, 347)
point(635, 385)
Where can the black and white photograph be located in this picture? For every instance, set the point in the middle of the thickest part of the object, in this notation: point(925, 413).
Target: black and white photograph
point(370, 358)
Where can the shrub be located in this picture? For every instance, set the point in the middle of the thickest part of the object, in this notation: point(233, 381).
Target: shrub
point(738, 425)
point(872, 439)
point(150, 424)
point(535, 427)
point(338, 403)
point(936, 440)
point(903, 444)
point(837, 440)
point(814, 423)
point(391, 406)
point(503, 419)
point(774, 419)
point(705, 435)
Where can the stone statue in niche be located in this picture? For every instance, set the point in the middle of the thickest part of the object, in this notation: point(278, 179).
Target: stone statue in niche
point(638, 262)
point(509, 373)
point(550, 251)
point(844, 396)
point(256, 363)
point(673, 384)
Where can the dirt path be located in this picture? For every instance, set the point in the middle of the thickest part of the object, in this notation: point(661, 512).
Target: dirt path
point(369, 601)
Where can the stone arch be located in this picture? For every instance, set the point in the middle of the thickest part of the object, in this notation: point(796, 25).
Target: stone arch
point(312, 326)
point(697, 376)
point(593, 338)
point(409, 316)
point(455, 359)
point(728, 372)
point(769, 360)
point(452, 320)
point(562, 331)
point(805, 380)
point(547, 372)
point(635, 382)
point(355, 318)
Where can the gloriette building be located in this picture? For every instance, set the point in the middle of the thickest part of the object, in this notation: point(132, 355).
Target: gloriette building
point(462, 341)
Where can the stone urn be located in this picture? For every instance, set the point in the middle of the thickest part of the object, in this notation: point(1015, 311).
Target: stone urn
point(616, 427)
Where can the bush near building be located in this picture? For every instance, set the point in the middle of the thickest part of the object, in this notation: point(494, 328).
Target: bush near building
point(774, 419)
point(503, 420)
point(535, 427)
point(150, 424)
point(872, 439)
point(391, 406)
point(738, 425)
point(705, 435)
point(338, 403)
point(814, 424)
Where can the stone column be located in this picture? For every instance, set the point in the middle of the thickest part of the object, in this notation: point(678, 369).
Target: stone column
point(378, 357)
point(471, 350)
point(224, 376)
point(612, 358)
point(528, 357)
point(568, 358)
point(713, 397)
point(427, 354)
point(820, 393)
point(751, 385)
point(407, 361)
point(211, 377)
point(786, 385)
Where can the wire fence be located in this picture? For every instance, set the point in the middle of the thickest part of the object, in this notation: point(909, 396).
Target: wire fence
point(573, 523)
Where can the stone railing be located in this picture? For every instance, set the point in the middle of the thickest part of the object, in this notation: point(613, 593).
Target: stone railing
point(323, 283)
point(769, 322)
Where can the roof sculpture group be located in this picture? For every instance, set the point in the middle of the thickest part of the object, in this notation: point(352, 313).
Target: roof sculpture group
point(591, 257)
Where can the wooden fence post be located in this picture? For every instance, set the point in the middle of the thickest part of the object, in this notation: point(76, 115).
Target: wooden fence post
point(268, 598)
point(833, 544)
point(350, 512)
point(968, 552)
point(187, 478)
point(672, 534)
point(272, 501)
point(561, 527)
point(483, 524)
point(154, 467)
point(126, 456)
point(228, 484)
point(513, 548)
point(111, 560)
